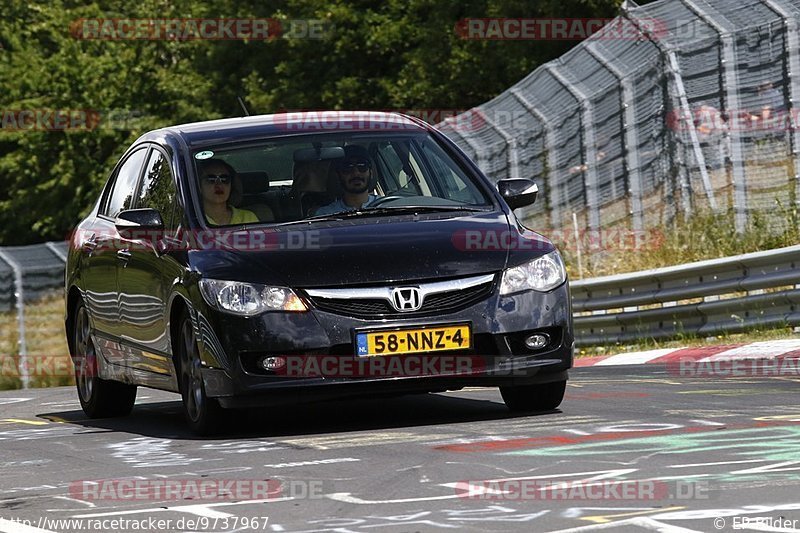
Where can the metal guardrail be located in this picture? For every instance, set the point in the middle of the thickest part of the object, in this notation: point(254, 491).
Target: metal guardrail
point(727, 295)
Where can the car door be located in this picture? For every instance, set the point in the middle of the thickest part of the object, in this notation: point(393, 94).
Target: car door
point(99, 252)
point(146, 270)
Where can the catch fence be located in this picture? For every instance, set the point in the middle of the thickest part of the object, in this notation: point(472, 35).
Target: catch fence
point(672, 107)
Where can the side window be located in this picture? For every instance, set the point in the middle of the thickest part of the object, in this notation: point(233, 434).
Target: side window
point(121, 196)
point(400, 180)
point(453, 183)
point(158, 188)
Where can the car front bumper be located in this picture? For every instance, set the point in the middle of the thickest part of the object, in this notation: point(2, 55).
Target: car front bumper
point(231, 344)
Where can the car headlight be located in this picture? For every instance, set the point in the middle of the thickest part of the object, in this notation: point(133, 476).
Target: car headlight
point(542, 274)
point(249, 299)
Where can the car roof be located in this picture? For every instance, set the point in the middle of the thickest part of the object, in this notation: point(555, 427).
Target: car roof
point(293, 123)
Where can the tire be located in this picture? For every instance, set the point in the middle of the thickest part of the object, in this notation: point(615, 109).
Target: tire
point(528, 398)
point(100, 398)
point(204, 415)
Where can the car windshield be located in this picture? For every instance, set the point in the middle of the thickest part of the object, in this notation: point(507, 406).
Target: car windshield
point(332, 175)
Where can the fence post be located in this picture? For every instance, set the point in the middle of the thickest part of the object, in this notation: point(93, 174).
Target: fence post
point(549, 133)
point(683, 99)
point(59, 253)
point(19, 293)
point(589, 146)
point(732, 103)
point(629, 127)
point(513, 156)
point(792, 73)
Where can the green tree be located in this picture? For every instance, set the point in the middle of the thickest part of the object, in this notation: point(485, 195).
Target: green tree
point(374, 55)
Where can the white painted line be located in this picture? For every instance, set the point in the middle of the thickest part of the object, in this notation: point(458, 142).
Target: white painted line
point(639, 521)
point(6, 401)
point(635, 358)
point(719, 463)
point(316, 462)
point(195, 509)
point(347, 497)
point(598, 475)
point(757, 350)
point(10, 526)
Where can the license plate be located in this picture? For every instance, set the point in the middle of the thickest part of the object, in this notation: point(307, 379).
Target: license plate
point(418, 340)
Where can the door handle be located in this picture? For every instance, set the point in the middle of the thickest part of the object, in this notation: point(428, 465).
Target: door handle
point(90, 245)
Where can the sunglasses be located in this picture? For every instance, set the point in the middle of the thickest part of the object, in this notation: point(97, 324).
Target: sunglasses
point(224, 179)
point(361, 166)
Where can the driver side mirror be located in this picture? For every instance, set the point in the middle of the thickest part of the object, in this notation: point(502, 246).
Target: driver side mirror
point(138, 220)
point(518, 192)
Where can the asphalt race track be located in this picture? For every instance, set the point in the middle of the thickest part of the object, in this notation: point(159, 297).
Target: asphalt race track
point(632, 449)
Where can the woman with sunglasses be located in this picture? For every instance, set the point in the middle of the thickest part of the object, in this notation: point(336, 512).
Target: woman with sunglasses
point(219, 185)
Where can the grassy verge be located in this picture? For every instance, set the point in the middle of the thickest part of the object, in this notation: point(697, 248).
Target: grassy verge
point(706, 235)
point(48, 357)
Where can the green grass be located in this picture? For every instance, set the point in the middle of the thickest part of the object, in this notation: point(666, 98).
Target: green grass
point(706, 235)
point(46, 345)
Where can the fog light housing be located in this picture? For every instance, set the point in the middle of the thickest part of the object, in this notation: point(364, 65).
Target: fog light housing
point(273, 363)
point(537, 341)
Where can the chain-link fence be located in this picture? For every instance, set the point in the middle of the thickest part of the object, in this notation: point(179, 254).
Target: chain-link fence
point(31, 307)
point(671, 107)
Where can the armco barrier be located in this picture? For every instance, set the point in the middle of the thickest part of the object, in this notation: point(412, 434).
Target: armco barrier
point(727, 295)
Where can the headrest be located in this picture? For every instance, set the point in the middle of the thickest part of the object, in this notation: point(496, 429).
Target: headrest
point(254, 182)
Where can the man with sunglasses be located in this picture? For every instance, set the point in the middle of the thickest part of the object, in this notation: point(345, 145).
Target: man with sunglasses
point(355, 177)
point(219, 185)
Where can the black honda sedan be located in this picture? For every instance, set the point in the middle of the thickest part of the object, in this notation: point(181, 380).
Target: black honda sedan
point(298, 257)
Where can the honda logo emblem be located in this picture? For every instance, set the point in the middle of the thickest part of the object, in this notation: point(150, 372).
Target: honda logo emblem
point(407, 298)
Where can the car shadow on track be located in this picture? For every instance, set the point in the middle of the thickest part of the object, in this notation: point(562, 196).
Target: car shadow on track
point(165, 419)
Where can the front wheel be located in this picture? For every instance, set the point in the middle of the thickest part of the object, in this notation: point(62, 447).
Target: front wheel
point(527, 398)
point(203, 414)
point(100, 398)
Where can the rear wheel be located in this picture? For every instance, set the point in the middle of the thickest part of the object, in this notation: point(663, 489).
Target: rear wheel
point(526, 398)
point(203, 414)
point(99, 398)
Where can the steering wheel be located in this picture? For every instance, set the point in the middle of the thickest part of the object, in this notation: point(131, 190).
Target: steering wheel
point(384, 199)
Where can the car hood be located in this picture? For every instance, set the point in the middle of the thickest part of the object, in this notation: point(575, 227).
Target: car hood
point(365, 250)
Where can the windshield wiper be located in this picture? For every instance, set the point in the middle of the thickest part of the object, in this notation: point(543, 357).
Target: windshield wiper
point(377, 211)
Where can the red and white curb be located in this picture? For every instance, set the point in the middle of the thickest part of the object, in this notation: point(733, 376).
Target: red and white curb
point(727, 352)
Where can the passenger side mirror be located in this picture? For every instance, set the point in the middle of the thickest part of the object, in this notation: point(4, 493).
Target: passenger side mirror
point(138, 220)
point(518, 192)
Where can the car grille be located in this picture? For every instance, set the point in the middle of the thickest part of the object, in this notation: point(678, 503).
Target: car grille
point(443, 302)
